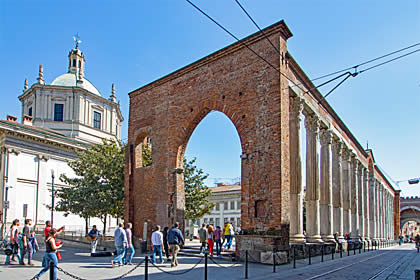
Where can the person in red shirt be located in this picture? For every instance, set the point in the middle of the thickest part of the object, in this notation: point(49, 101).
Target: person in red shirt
point(48, 227)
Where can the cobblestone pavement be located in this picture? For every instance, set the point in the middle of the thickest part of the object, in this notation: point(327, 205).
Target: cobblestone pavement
point(398, 262)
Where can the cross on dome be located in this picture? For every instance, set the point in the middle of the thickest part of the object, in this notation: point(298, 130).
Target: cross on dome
point(77, 40)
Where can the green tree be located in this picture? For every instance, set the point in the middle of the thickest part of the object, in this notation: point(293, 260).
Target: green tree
point(98, 189)
point(146, 154)
point(196, 192)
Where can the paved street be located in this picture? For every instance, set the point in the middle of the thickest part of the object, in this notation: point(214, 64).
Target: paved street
point(390, 263)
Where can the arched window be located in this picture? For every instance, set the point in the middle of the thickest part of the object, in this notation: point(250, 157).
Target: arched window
point(143, 152)
point(80, 64)
point(74, 62)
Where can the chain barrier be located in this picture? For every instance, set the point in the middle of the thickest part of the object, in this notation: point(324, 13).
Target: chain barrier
point(79, 278)
point(220, 265)
point(178, 273)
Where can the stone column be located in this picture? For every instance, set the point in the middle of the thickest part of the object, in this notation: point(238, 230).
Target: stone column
point(346, 190)
point(337, 187)
point(381, 211)
point(366, 202)
point(388, 214)
point(354, 198)
point(326, 217)
point(372, 205)
point(360, 201)
point(312, 182)
point(296, 193)
point(377, 210)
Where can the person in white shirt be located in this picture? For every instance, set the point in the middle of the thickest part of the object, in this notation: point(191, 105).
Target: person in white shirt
point(157, 242)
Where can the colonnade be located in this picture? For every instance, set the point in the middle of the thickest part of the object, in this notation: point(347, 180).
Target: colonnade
point(342, 193)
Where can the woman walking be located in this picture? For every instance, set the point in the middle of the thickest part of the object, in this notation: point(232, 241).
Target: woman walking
point(50, 254)
point(165, 243)
point(14, 241)
point(210, 242)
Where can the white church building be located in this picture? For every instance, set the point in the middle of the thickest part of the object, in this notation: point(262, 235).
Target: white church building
point(58, 119)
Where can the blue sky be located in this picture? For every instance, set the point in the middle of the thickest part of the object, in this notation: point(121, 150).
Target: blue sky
point(132, 43)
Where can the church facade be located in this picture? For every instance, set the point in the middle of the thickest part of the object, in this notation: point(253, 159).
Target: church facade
point(58, 119)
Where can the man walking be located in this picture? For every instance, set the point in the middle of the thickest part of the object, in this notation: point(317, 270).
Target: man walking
point(120, 239)
point(129, 251)
point(228, 235)
point(175, 239)
point(202, 233)
point(93, 238)
point(27, 246)
point(157, 242)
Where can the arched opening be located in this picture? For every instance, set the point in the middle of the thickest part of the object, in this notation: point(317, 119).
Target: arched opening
point(143, 151)
point(410, 228)
point(214, 143)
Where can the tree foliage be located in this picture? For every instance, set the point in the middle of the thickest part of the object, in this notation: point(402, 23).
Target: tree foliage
point(196, 192)
point(98, 189)
point(146, 154)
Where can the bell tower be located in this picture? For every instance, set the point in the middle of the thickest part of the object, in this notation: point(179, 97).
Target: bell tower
point(76, 60)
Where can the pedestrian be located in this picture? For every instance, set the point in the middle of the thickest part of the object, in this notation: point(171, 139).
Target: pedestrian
point(210, 239)
point(165, 242)
point(120, 240)
point(27, 246)
point(175, 240)
point(129, 251)
point(47, 228)
point(157, 243)
point(228, 235)
point(14, 238)
point(50, 254)
point(93, 235)
point(202, 233)
point(217, 235)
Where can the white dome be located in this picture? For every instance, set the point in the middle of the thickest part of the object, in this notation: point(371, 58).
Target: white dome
point(69, 80)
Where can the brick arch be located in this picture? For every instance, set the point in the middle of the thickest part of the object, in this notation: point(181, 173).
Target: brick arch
point(255, 98)
point(195, 120)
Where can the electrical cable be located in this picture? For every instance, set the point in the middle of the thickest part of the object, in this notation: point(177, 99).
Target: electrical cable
point(242, 43)
point(253, 21)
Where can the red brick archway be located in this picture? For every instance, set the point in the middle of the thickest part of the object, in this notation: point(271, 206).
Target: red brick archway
point(255, 98)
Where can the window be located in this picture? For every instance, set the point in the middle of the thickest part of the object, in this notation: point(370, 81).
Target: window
point(97, 120)
point(232, 205)
point(225, 205)
point(238, 204)
point(217, 222)
point(226, 220)
point(217, 206)
point(238, 222)
point(80, 64)
point(211, 221)
point(232, 221)
point(74, 62)
point(30, 111)
point(58, 112)
point(205, 221)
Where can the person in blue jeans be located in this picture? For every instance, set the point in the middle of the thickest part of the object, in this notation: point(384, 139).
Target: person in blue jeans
point(157, 242)
point(129, 250)
point(50, 254)
point(120, 239)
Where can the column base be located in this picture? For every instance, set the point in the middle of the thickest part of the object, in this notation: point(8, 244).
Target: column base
point(297, 238)
point(315, 239)
point(328, 238)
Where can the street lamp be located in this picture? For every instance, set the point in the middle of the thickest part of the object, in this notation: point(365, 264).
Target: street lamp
point(52, 197)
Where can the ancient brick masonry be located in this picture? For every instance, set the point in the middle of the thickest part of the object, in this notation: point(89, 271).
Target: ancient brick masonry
point(266, 108)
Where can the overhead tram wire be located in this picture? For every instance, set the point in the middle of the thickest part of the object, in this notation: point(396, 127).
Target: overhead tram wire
point(242, 43)
point(349, 74)
point(253, 21)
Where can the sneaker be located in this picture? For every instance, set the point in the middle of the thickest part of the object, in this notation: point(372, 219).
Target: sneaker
point(113, 264)
point(162, 262)
point(31, 264)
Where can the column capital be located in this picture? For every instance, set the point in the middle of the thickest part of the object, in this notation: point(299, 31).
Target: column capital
point(296, 105)
point(312, 123)
point(346, 153)
point(337, 146)
point(325, 136)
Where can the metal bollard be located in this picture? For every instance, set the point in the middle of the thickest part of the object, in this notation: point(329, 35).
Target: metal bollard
point(360, 248)
point(310, 262)
point(332, 253)
point(205, 264)
point(417, 274)
point(322, 253)
point(364, 247)
point(146, 268)
point(354, 249)
point(294, 256)
point(341, 250)
point(348, 250)
point(52, 266)
point(274, 261)
point(246, 264)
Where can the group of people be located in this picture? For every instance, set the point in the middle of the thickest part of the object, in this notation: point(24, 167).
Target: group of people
point(210, 236)
point(21, 243)
point(123, 240)
point(170, 240)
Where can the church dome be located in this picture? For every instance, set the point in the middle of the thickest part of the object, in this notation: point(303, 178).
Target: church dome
point(70, 80)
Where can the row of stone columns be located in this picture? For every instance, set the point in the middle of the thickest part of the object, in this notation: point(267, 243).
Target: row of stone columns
point(342, 195)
